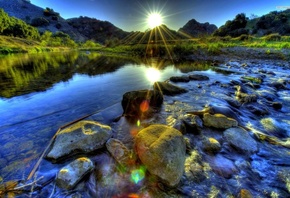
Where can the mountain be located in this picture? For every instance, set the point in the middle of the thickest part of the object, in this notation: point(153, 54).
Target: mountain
point(43, 19)
point(96, 30)
point(160, 34)
point(194, 29)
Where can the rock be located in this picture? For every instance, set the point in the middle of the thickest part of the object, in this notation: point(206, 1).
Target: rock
point(222, 166)
point(245, 194)
point(192, 124)
point(258, 109)
point(162, 150)
point(72, 173)
point(277, 105)
point(82, 137)
point(210, 145)
point(120, 152)
point(179, 79)
point(241, 140)
point(219, 121)
point(168, 89)
point(198, 77)
point(273, 127)
point(141, 103)
point(194, 169)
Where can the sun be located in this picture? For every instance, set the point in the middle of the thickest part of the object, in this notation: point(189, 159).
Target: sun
point(154, 19)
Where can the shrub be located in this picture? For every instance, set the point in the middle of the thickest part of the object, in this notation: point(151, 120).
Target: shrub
point(273, 37)
point(39, 21)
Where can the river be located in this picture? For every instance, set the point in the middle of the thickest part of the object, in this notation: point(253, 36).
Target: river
point(43, 92)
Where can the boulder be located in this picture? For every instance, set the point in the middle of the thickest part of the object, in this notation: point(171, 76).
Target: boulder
point(168, 88)
point(162, 150)
point(71, 174)
point(141, 103)
point(241, 140)
point(219, 121)
point(82, 137)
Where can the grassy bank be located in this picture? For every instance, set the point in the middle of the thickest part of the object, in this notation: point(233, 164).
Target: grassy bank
point(10, 45)
point(175, 48)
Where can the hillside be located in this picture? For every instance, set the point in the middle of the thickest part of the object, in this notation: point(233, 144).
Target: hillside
point(96, 30)
point(43, 19)
point(194, 29)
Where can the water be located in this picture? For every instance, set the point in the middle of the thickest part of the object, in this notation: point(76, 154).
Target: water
point(40, 93)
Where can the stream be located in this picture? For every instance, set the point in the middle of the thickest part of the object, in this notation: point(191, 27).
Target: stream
point(42, 92)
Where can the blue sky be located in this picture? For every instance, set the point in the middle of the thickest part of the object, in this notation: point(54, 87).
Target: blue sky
point(130, 15)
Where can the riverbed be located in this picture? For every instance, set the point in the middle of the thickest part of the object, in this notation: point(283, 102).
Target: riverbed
point(41, 93)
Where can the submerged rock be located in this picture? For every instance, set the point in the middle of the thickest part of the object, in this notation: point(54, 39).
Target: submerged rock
point(219, 121)
point(179, 79)
point(168, 89)
point(198, 77)
point(141, 103)
point(71, 174)
point(241, 140)
point(82, 137)
point(162, 150)
point(222, 166)
point(119, 151)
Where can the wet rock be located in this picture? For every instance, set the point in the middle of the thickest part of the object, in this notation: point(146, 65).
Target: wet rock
point(210, 145)
point(279, 85)
point(179, 79)
point(162, 150)
point(222, 166)
point(192, 124)
point(219, 121)
point(71, 174)
point(252, 79)
point(241, 140)
point(277, 105)
point(273, 127)
point(258, 110)
point(168, 89)
point(194, 169)
point(82, 137)
point(198, 77)
point(119, 152)
point(141, 103)
point(244, 193)
point(244, 97)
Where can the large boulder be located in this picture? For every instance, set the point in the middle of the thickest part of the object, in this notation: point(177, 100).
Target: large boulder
point(241, 140)
point(162, 150)
point(168, 88)
point(219, 121)
point(71, 174)
point(82, 137)
point(141, 103)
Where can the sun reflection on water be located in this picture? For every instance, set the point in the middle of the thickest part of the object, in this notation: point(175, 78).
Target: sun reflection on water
point(153, 74)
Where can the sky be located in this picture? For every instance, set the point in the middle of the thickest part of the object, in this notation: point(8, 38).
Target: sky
point(131, 15)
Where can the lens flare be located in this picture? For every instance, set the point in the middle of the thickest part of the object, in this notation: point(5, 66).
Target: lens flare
point(154, 19)
point(153, 74)
point(138, 175)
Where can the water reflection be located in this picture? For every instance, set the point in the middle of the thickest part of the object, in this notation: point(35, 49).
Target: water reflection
point(42, 92)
